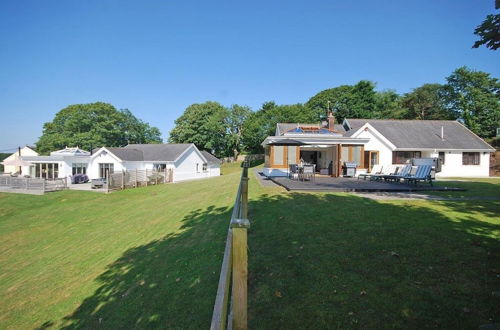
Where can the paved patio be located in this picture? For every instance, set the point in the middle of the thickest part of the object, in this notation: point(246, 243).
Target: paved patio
point(323, 183)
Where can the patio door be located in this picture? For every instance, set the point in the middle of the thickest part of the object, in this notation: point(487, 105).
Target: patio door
point(371, 159)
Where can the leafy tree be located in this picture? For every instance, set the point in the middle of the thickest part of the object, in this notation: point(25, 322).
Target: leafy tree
point(489, 31)
point(262, 123)
point(203, 124)
point(337, 97)
point(235, 120)
point(95, 124)
point(388, 105)
point(474, 98)
point(357, 101)
point(425, 102)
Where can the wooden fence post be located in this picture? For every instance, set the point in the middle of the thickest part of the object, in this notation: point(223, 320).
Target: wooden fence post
point(108, 178)
point(27, 183)
point(240, 273)
point(43, 185)
point(123, 179)
point(136, 178)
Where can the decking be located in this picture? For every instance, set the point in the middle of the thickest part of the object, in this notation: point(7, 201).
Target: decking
point(323, 183)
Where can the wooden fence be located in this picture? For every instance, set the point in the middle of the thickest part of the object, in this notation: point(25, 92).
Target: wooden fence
point(232, 313)
point(138, 178)
point(38, 184)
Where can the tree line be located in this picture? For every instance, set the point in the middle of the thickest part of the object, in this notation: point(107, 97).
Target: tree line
point(472, 97)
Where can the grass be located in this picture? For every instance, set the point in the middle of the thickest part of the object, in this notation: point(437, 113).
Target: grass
point(150, 257)
point(478, 187)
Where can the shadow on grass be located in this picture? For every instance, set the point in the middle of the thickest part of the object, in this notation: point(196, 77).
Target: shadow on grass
point(315, 261)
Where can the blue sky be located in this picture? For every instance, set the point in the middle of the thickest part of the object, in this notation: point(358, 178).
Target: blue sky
point(156, 57)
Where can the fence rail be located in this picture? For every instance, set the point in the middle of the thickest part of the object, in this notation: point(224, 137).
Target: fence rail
point(38, 184)
point(231, 312)
point(139, 178)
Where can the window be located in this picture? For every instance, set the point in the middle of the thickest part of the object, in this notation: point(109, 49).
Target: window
point(278, 155)
point(197, 168)
point(401, 157)
point(204, 167)
point(46, 170)
point(470, 158)
point(441, 157)
point(292, 155)
point(79, 168)
point(353, 154)
point(106, 169)
point(160, 167)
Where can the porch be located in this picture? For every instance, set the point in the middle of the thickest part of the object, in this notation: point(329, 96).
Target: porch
point(340, 184)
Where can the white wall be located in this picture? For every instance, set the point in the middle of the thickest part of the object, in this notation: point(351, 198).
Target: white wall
point(185, 167)
point(377, 144)
point(24, 152)
point(98, 158)
point(453, 165)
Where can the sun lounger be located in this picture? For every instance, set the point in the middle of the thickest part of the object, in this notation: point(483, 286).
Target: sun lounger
point(387, 170)
point(405, 171)
point(377, 169)
point(423, 173)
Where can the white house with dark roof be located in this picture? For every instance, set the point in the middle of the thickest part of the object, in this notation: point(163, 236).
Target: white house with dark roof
point(368, 142)
point(186, 160)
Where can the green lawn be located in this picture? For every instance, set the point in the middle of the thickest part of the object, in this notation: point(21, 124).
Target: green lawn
point(150, 257)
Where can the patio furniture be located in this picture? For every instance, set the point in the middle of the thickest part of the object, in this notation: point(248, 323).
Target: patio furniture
point(377, 169)
point(307, 172)
point(293, 171)
point(405, 171)
point(423, 173)
point(98, 183)
point(386, 170)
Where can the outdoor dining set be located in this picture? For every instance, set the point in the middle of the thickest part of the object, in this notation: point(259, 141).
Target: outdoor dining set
point(302, 172)
point(407, 174)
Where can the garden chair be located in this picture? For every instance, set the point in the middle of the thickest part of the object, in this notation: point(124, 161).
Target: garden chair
point(308, 172)
point(377, 169)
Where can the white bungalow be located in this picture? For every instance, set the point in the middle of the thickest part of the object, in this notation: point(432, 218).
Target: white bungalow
point(186, 161)
point(368, 142)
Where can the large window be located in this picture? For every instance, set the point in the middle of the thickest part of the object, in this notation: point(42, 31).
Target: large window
point(353, 154)
point(401, 157)
point(205, 165)
point(79, 168)
point(278, 155)
point(470, 158)
point(46, 170)
point(292, 155)
point(106, 169)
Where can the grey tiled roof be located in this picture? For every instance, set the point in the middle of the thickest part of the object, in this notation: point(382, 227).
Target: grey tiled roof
point(150, 152)
point(210, 158)
point(153, 152)
point(423, 134)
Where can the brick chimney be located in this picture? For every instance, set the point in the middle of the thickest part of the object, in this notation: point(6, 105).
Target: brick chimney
point(331, 121)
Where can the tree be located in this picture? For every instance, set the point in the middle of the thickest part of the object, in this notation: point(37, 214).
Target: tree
point(426, 102)
point(357, 101)
point(262, 123)
point(203, 124)
point(235, 120)
point(388, 105)
point(489, 31)
point(95, 124)
point(474, 98)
